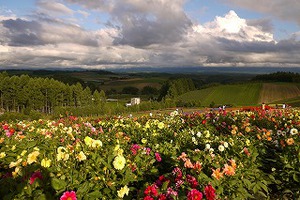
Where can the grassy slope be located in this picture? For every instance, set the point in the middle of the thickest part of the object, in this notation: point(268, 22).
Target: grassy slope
point(237, 95)
point(247, 94)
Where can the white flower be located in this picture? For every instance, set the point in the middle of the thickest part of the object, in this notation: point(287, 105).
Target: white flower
point(225, 144)
point(293, 131)
point(211, 150)
point(199, 134)
point(221, 148)
point(207, 146)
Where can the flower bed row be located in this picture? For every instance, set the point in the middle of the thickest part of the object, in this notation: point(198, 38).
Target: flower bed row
point(235, 155)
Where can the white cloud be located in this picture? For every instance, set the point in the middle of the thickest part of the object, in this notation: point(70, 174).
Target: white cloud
point(140, 33)
point(232, 27)
point(52, 7)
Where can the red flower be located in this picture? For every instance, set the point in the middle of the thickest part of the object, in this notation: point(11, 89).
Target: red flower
point(162, 197)
point(192, 180)
point(148, 198)
point(210, 192)
point(34, 176)
point(68, 196)
point(194, 195)
point(151, 190)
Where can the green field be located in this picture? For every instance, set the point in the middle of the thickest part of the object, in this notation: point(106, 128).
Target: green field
point(245, 94)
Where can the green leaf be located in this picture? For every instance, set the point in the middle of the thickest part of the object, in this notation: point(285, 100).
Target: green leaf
point(58, 184)
point(295, 177)
point(94, 194)
point(264, 187)
point(247, 183)
point(256, 188)
point(106, 190)
point(83, 189)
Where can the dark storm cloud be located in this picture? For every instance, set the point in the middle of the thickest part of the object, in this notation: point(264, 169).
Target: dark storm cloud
point(22, 33)
point(45, 30)
point(283, 46)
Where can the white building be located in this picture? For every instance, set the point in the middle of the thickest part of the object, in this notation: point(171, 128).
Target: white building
point(135, 101)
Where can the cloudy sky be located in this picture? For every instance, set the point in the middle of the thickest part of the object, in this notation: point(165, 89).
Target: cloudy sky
point(156, 33)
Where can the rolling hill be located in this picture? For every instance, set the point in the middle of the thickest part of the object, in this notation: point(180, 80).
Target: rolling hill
point(246, 94)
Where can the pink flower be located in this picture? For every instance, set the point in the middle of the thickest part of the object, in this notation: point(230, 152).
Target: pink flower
point(194, 195)
point(68, 196)
point(157, 157)
point(134, 149)
point(210, 192)
point(34, 176)
point(170, 192)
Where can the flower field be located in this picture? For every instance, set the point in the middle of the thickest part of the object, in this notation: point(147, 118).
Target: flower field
point(233, 155)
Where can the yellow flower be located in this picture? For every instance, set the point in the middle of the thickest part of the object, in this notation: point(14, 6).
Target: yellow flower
point(88, 141)
point(2, 155)
point(248, 142)
point(32, 157)
point(13, 147)
point(16, 172)
point(207, 134)
point(124, 190)
point(81, 156)
point(14, 164)
point(23, 152)
point(144, 140)
point(62, 154)
point(119, 162)
point(96, 144)
point(46, 162)
point(160, 125)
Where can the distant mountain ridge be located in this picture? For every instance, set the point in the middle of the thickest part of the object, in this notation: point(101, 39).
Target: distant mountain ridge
point(172, 70)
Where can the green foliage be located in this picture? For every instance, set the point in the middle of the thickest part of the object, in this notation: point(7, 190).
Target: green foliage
point(279, 77)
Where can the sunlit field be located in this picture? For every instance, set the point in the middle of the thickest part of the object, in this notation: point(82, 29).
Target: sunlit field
point(210, 155)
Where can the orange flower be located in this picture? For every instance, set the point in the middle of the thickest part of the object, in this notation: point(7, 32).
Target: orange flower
point(233, 164)
point(188, 164)
point(217, 174)
point(258, 136)
point(228, 170)
point(198, 166)
point(269, 138)
point(183, 157)
point(290, 141)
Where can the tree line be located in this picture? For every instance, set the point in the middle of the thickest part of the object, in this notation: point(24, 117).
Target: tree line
point(24, 96)
point(24, 93)
point(279, 77)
